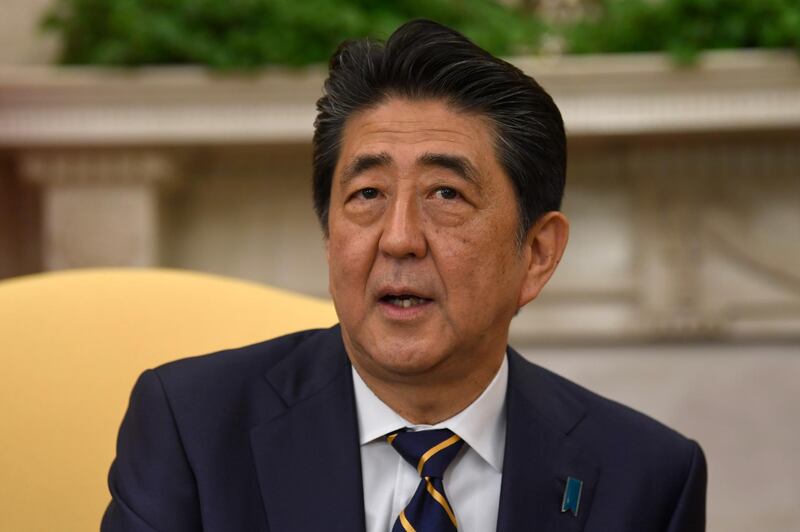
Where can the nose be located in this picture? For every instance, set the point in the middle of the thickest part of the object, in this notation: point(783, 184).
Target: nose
point(403, 235)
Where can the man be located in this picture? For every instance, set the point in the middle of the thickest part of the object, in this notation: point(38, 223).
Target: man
point(438, 175)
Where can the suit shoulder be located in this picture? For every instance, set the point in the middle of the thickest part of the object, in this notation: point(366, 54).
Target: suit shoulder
point(650, 472)
point(232, 365)
point(608, 425)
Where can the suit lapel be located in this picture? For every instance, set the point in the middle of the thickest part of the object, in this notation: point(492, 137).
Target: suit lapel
point(308, 458)
point(539, 455)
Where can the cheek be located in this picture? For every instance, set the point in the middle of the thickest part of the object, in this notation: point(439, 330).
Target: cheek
point(461, 261)
point(349, 261)
point(478, 265)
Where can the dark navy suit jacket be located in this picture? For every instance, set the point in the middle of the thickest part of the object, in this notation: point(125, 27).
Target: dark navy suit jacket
point(265, 438)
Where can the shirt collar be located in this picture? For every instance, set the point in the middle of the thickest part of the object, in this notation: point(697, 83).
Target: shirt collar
point(482, 425)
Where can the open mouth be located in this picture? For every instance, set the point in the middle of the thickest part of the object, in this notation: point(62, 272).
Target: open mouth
point(404, 300)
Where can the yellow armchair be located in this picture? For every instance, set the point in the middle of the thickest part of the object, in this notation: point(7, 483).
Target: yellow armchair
point(72, 344)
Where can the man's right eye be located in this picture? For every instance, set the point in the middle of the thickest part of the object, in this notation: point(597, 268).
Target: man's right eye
point(367, 193)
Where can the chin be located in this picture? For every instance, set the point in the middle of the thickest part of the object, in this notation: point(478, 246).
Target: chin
point(398, 351)
point(397, 356)
point(405, 359)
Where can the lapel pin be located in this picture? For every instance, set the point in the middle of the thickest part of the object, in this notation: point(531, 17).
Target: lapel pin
point(572, 496)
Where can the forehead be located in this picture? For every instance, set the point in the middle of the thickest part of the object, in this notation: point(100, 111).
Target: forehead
point(405, 127)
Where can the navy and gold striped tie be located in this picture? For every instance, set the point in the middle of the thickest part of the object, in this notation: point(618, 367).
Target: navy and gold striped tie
point(430, 452)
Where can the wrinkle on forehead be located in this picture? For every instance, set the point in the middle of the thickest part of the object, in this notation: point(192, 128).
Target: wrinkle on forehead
point(441, 124)
point(410, 132)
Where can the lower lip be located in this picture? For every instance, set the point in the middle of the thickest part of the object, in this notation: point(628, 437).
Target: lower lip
point(397, 313)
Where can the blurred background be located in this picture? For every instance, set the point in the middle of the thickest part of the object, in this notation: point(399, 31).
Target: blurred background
point(177, 134)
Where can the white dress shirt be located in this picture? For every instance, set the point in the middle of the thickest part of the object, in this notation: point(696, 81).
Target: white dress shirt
point(471, 482)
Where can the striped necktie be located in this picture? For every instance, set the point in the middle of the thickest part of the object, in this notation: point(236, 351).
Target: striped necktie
point(430, 452)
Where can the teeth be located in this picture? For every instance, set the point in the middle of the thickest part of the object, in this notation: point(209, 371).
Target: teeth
point(406, 301)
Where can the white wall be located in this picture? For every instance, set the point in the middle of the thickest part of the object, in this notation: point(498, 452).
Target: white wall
point(21, 41)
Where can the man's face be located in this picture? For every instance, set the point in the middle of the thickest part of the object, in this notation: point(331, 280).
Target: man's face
point(425, 271)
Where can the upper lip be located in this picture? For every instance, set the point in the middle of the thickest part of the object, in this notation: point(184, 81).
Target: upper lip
point(401, 291)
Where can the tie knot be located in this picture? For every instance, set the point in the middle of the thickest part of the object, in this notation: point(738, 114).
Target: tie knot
point(429, 451)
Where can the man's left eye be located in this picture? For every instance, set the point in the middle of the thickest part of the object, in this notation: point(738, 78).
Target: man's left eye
point(368, 193)
point(447, 193)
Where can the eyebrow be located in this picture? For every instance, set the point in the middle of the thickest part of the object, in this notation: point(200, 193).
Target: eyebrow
point(457, 164)
point(365, 162)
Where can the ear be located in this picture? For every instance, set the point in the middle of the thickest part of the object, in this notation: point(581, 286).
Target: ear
point(543, 248)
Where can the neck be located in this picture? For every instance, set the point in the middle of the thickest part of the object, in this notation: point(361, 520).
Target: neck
point(429, 399)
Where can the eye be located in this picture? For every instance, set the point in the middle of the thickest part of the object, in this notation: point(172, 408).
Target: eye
point(447, 193)
point(367, 193)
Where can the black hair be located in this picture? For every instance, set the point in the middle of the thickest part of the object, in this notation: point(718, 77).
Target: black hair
point(423, 59)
